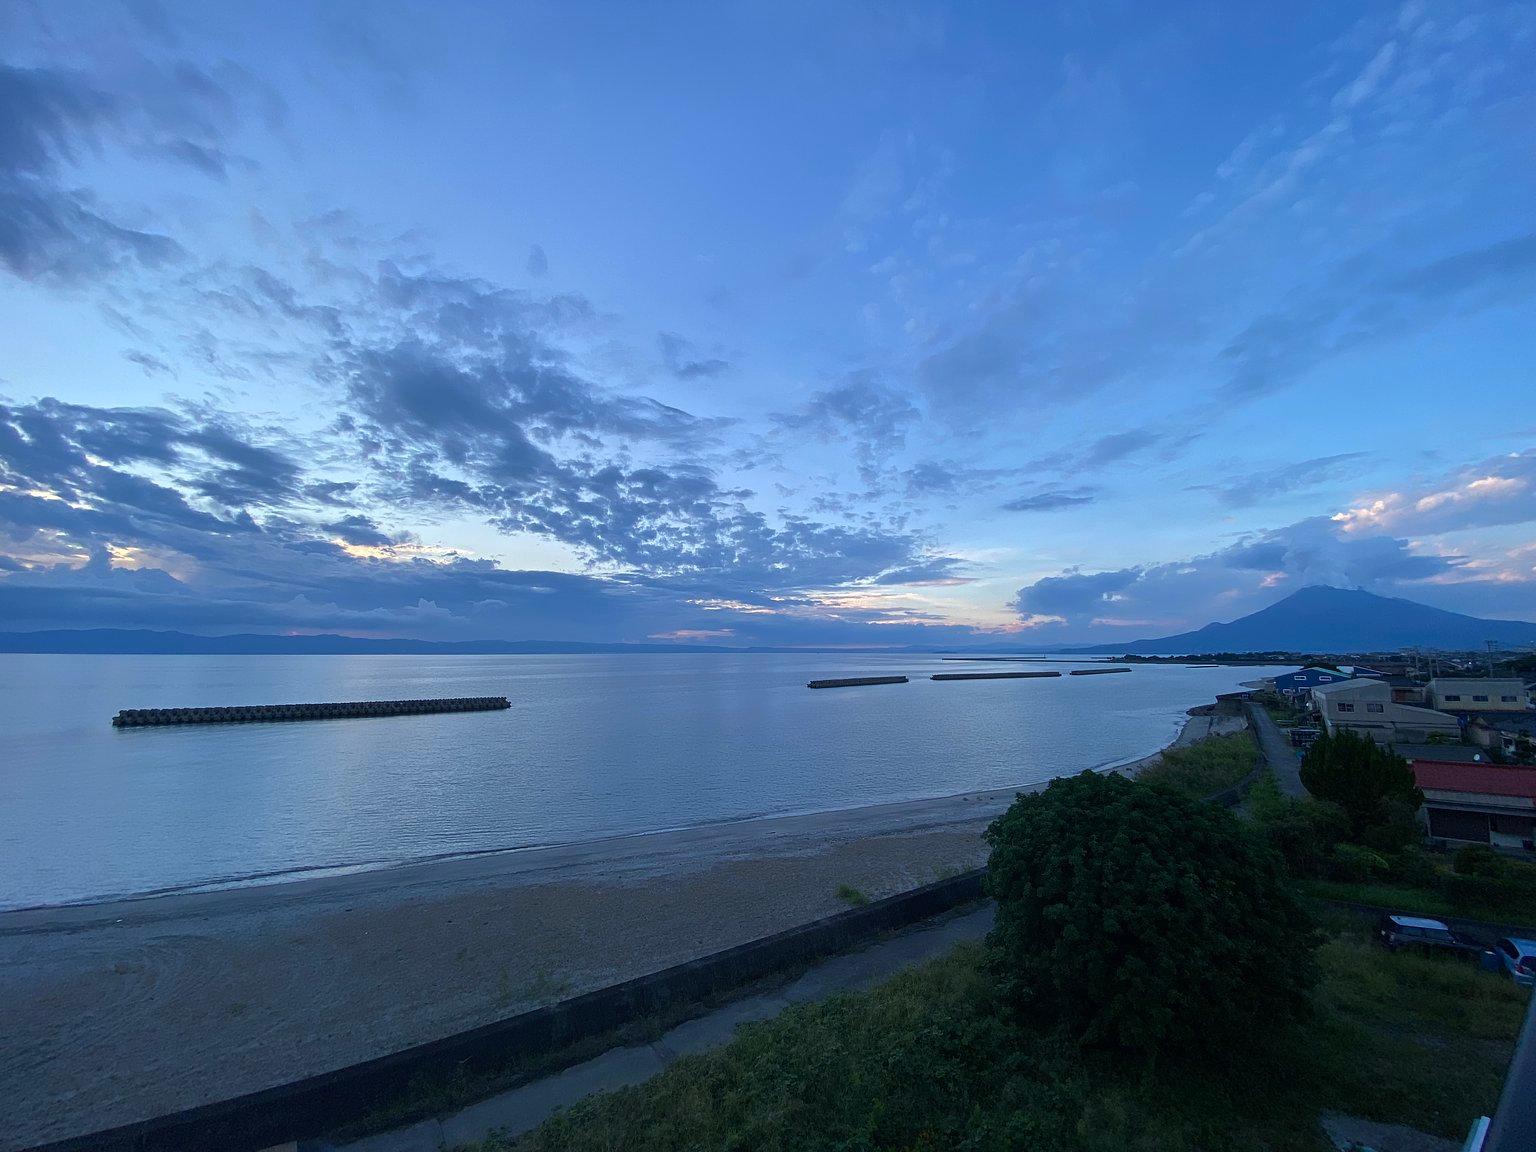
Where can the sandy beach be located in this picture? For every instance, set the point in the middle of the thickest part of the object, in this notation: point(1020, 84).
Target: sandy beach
point(121, 1011)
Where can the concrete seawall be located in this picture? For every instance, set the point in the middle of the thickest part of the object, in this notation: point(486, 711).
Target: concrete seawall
point(306, 1108)
point(271, 713)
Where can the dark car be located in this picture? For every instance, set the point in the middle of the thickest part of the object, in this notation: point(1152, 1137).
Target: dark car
point(1428, 935)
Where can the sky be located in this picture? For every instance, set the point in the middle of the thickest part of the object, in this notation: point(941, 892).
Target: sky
point(780, 323)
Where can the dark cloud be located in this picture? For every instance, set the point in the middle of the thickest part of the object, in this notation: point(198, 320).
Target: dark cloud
point(1362, 302)
point(361, 530)
point(50, 231)
point(1052, 500)
point(872, 416)
point(1261, 485)
point(1074, 595)
point(1118, 445)
point(538, 261)
point(680, 358)
point(1240, 578)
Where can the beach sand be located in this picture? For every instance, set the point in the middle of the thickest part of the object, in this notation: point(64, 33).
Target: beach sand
point(122, 1011)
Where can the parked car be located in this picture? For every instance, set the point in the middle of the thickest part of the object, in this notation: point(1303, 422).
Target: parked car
point(1519, 960)
point(1398, 932)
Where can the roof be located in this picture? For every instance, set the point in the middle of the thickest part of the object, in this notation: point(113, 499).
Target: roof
point(1418, 922)
point(1443, 753)
point(1349, 685)
point(1487, 779)
point(1508, 721)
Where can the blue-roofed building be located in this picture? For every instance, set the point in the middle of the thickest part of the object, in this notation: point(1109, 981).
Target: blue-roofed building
point(1299, 683)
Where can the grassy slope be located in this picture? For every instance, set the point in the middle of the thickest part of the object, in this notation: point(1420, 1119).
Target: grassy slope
point(1212, 765)
point(922, 1063)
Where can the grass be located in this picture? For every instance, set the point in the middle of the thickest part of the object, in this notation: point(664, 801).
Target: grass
point(1213, 764)
point(925, 1062)
point(852, 895)
point(1449, 895)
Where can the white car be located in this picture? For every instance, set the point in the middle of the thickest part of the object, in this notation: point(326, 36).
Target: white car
point(1519, 960)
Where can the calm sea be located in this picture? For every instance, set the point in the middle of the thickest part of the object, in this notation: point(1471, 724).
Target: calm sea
point(592, 746)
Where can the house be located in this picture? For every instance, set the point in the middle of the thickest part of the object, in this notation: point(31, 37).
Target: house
point(1458, 694)
point(1366, 707)
point(1513, 733)
point(1296, 685)
point(1479, 803)
point(1443, 753)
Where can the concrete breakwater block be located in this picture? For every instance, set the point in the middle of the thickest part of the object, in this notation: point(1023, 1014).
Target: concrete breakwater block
point(270, 713)
point(993, 675)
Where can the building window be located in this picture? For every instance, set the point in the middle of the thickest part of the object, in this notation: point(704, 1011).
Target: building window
point(1345, 707)
point(1375, 708)
point(1481, 699)
point(1506, 699)
point(1453, 697)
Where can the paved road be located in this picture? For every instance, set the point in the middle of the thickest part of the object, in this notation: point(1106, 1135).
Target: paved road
point(524, 1108)
point(1283, 760)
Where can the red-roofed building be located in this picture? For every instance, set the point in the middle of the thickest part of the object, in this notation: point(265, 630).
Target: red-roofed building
point(1479, 803)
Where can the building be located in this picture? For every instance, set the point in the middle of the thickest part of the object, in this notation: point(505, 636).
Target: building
point(1479, 803)
point(1296, 685)
point(1512, 733)
point(1366, 707)
point(1457, 694)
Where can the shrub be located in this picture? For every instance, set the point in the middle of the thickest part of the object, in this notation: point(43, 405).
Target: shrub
point(1371, 783)
point(1479, 860)
point(1356, 862)
point(1139, 921)
point(1304, 832)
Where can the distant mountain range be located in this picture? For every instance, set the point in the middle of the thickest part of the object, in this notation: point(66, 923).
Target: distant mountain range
point(1316, 619)
point(134, 641)
point(1323, 619)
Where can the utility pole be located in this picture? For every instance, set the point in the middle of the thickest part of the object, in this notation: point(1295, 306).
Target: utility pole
point(1490, 658)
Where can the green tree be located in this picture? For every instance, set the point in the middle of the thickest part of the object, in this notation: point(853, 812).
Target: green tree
point(1373, 785)
point(1139, 921)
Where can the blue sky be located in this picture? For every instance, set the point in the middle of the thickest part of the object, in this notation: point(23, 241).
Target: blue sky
point(780, 323)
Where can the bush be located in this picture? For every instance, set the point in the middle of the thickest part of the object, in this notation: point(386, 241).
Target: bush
point(1303, 831)
point(1139, 921)
point(1479, 860)
point(1356, 863)
point(1371, 783)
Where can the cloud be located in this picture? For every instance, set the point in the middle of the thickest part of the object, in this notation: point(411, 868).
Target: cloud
point(871, 415)
point(1231, 581)
point(1052, 500)
point(1252, 487)
point(1362, 303)
point(54, 233)
point(1491, 493)
point(681, 360)
point(538, 261)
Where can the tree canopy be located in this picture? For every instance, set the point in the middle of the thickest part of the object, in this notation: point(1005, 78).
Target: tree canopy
point(1143, 922)
point(1373, 784)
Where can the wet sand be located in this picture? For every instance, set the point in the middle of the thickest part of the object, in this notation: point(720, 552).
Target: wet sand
point(121, 1011)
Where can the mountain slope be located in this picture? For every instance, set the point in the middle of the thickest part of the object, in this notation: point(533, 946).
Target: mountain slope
point(1323, 619)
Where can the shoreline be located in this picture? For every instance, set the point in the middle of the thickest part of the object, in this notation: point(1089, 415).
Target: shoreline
point(321, 873)
point(129, 1009)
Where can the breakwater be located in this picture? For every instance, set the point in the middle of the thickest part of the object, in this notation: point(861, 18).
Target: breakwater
point(1095, 671)
point(269, 713)
point(856, 681)
point(992, 675)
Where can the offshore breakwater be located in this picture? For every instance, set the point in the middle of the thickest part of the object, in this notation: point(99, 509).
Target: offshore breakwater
point(856, 681)
point(993, 675)
point(269, 713)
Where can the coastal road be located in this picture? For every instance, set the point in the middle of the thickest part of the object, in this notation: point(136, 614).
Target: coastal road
point(521, 1109)
point(1283, 760)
